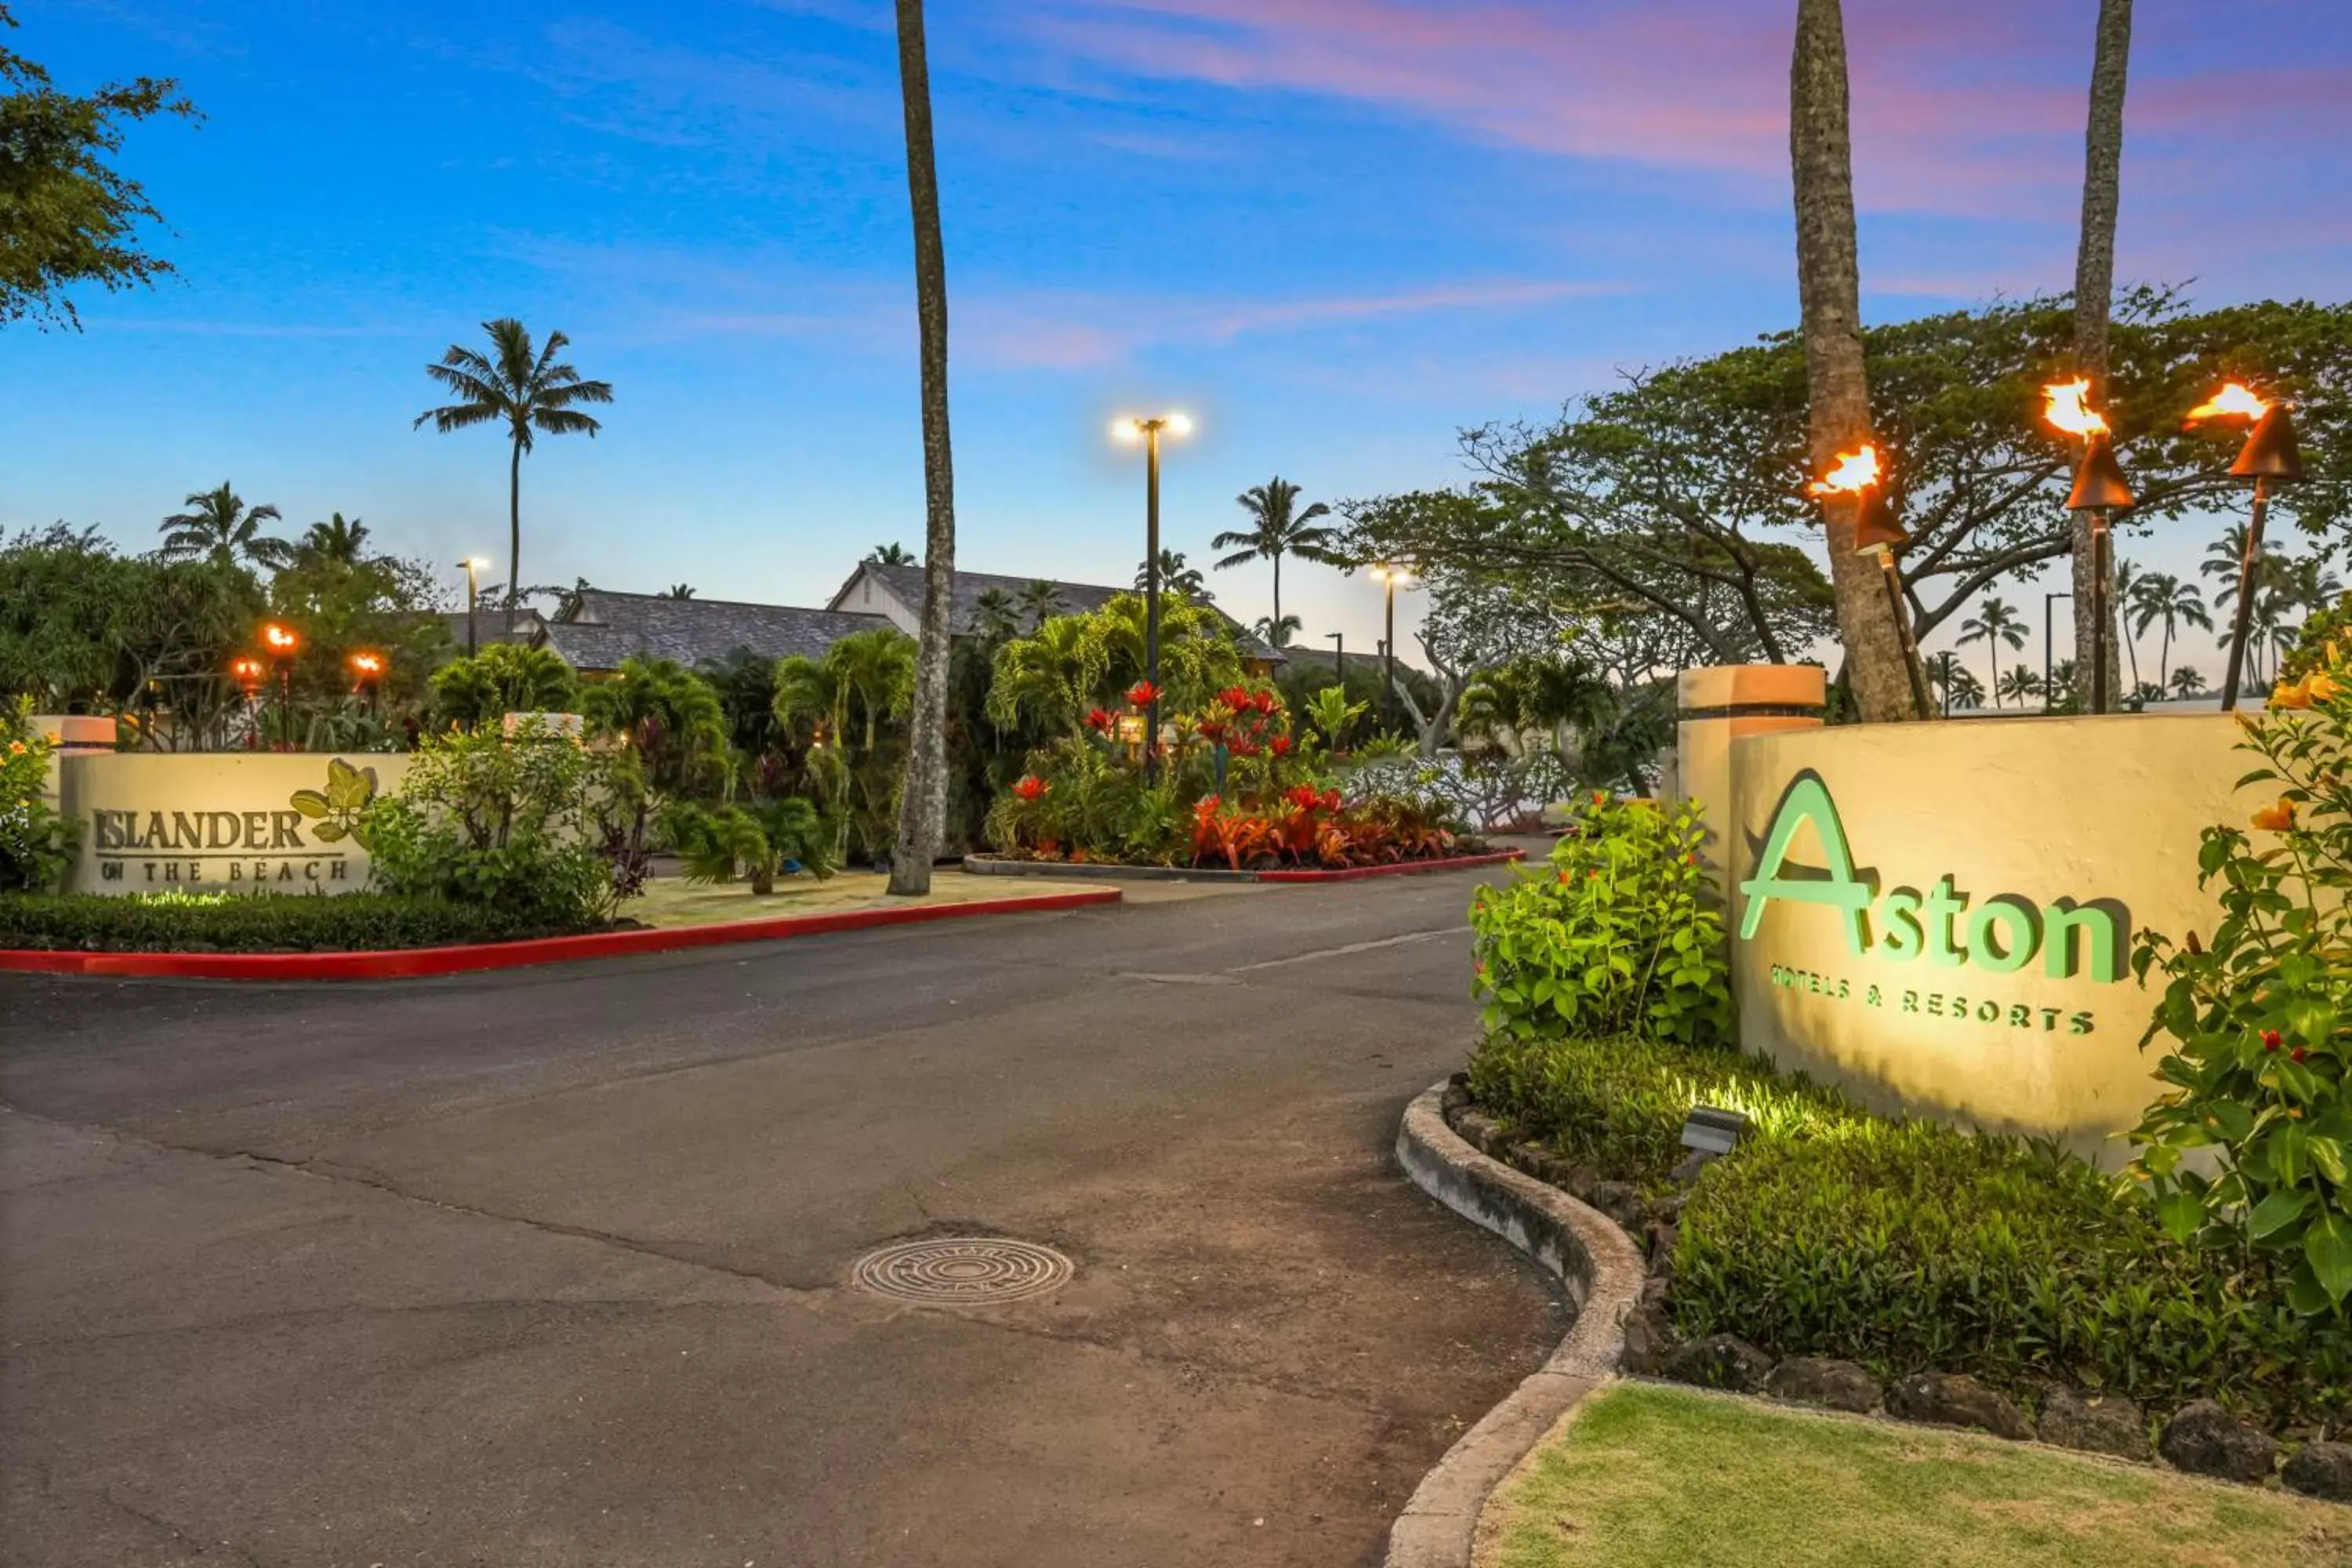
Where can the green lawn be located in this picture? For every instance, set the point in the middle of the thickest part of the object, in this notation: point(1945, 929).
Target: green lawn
point(1651, 1477)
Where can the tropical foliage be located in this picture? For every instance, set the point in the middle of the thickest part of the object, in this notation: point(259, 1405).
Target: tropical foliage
point(36, 843)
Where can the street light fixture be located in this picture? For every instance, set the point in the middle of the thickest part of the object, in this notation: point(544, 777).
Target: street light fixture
point(281, 642)
point(1340, 656)
point(2050, 670)
point(473, 566)
point(1149, 430)
point(1390, 576)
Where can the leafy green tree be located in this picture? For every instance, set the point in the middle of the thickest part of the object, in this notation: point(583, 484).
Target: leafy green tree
point(502, 679)
point(2187, 682)
point(891, 555)
point(343, 602)
point(529, 392)
point(2022, 685)
point(220, 528)
point(1278, 527)
point(1993, 625)
point(68, 217)
point(849, 710)
point(1072, 663)
point(1040, 602)
point(673, 743)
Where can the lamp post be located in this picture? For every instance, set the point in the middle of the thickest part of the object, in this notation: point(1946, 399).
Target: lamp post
point(2099, 489)
point(367, 670)
point(473, 566)
point(1340, 656)
point(1147, 430)
point(281, 644)
point(1876, 532)
point(2269, 457)
point(2049, 670)
point(1390, 576)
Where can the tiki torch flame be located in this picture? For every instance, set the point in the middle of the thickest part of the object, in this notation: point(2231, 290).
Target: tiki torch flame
point(2066, 410)
point(2232, 402)
point(1855, 472)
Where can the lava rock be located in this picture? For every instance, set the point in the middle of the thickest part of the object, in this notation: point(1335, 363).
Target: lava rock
point(1658, 1240)
point(1720, 1361)
point(1622, 1202)
point(1477, 1129)
point(2098, 1423)
point(1649, 1341)
point(2207, 1440)
point(1955, 1399)
point(2321, 1471)
point(1817, 1380)
point(1455, 1098)
point(1656, 1290)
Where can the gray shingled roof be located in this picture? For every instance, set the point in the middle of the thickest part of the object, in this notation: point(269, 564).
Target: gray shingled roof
point(612, 627)
point(491, 623)
point(906, 582)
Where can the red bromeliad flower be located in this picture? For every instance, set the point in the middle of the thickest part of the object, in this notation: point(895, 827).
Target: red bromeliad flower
point(1234, 697)
point(1099, 719)
point(1031, 787)
point(1212, 729)
point(1330, 800)
point(1143, 694)
point(1242, 748)
point(1266, 700)
point(1279, 745)
point(1303, 797)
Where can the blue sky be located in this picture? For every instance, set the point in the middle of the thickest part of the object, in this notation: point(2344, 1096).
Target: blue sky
point(1333, 230)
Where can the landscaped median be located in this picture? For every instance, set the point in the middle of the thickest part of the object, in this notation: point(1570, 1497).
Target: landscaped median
point(365, 937)
point(999, 865)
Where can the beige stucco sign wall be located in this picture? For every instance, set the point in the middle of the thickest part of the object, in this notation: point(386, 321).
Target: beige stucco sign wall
point(1939, 916)
point(222, 822)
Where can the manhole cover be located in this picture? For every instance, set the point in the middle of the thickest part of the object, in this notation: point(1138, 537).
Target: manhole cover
point(963, 1270)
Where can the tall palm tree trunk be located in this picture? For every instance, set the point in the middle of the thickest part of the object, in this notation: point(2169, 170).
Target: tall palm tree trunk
point(514, 535)
point(1277, 593)
point(1829, 286)
point(923, 798)
point(2095, 288)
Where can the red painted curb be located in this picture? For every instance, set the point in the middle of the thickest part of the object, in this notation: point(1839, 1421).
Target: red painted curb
point(411, 963)
point(1400, 869)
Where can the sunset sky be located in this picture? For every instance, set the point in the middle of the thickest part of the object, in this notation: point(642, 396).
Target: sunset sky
point(1333, 230)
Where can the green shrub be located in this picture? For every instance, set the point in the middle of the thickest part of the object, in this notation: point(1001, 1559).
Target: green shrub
point(753, 843)
point(1618, 1105)
point(255, 922)
point(502, 679)
point(2261, 1019)
point(516, 823)
point(1617, 933)
point(36, 843)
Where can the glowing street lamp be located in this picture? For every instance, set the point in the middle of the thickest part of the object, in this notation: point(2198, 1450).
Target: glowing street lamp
point(2099, 489)
point(473, 566)
point(2269, 457)
point(1857, 474)
point(1390, 576)
point(1149, 430)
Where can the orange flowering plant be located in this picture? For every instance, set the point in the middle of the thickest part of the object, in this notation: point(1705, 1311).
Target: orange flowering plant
point(36, 843)
point(2257, 1018)
point(1618, 932)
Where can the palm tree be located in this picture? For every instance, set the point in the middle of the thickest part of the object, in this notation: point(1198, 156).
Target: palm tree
point(923, 803)
point(531, 393)
point(994, 615)
point(2128, 576)
point(1829, 290)
point(891, 555)
point(335, 541)
point(2023, 684)
point(1041, 600)
point(843, 699)
point(2059, 690)
point(1276, 634)
point(1278, 529)
point(1993, 625)
point(2094, 287)
point(2185, 682)
point(219, 527)
point(1961, 687)
point(2161, 596)
point(679, 591)
point(1175, 577)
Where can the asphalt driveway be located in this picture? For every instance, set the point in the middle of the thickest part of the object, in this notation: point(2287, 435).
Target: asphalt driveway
point(552, 1268)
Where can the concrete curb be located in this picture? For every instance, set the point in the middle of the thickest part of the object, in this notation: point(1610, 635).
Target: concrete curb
point(1099, 871)
point(1602, 1271)
point(417, 962)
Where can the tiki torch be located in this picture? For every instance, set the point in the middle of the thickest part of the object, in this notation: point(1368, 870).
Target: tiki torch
point(2269, 457)
point(1876, 533)
point(2099, 489)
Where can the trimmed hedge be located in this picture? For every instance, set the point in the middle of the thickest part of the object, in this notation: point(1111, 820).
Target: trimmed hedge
point(1911, 1247)
point(254, 922)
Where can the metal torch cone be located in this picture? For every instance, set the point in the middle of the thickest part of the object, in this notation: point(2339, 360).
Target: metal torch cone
point(2269, 456)
point(2101, 491)
point(1876, 532)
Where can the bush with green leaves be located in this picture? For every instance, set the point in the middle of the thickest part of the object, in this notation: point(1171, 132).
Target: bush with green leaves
point(1910, 1245)
point(258, 922)
point(2246, 1151)
point(514, 822)
point(1617, 932)
point(36, 843)
point(753, 843)
point(502, 679)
